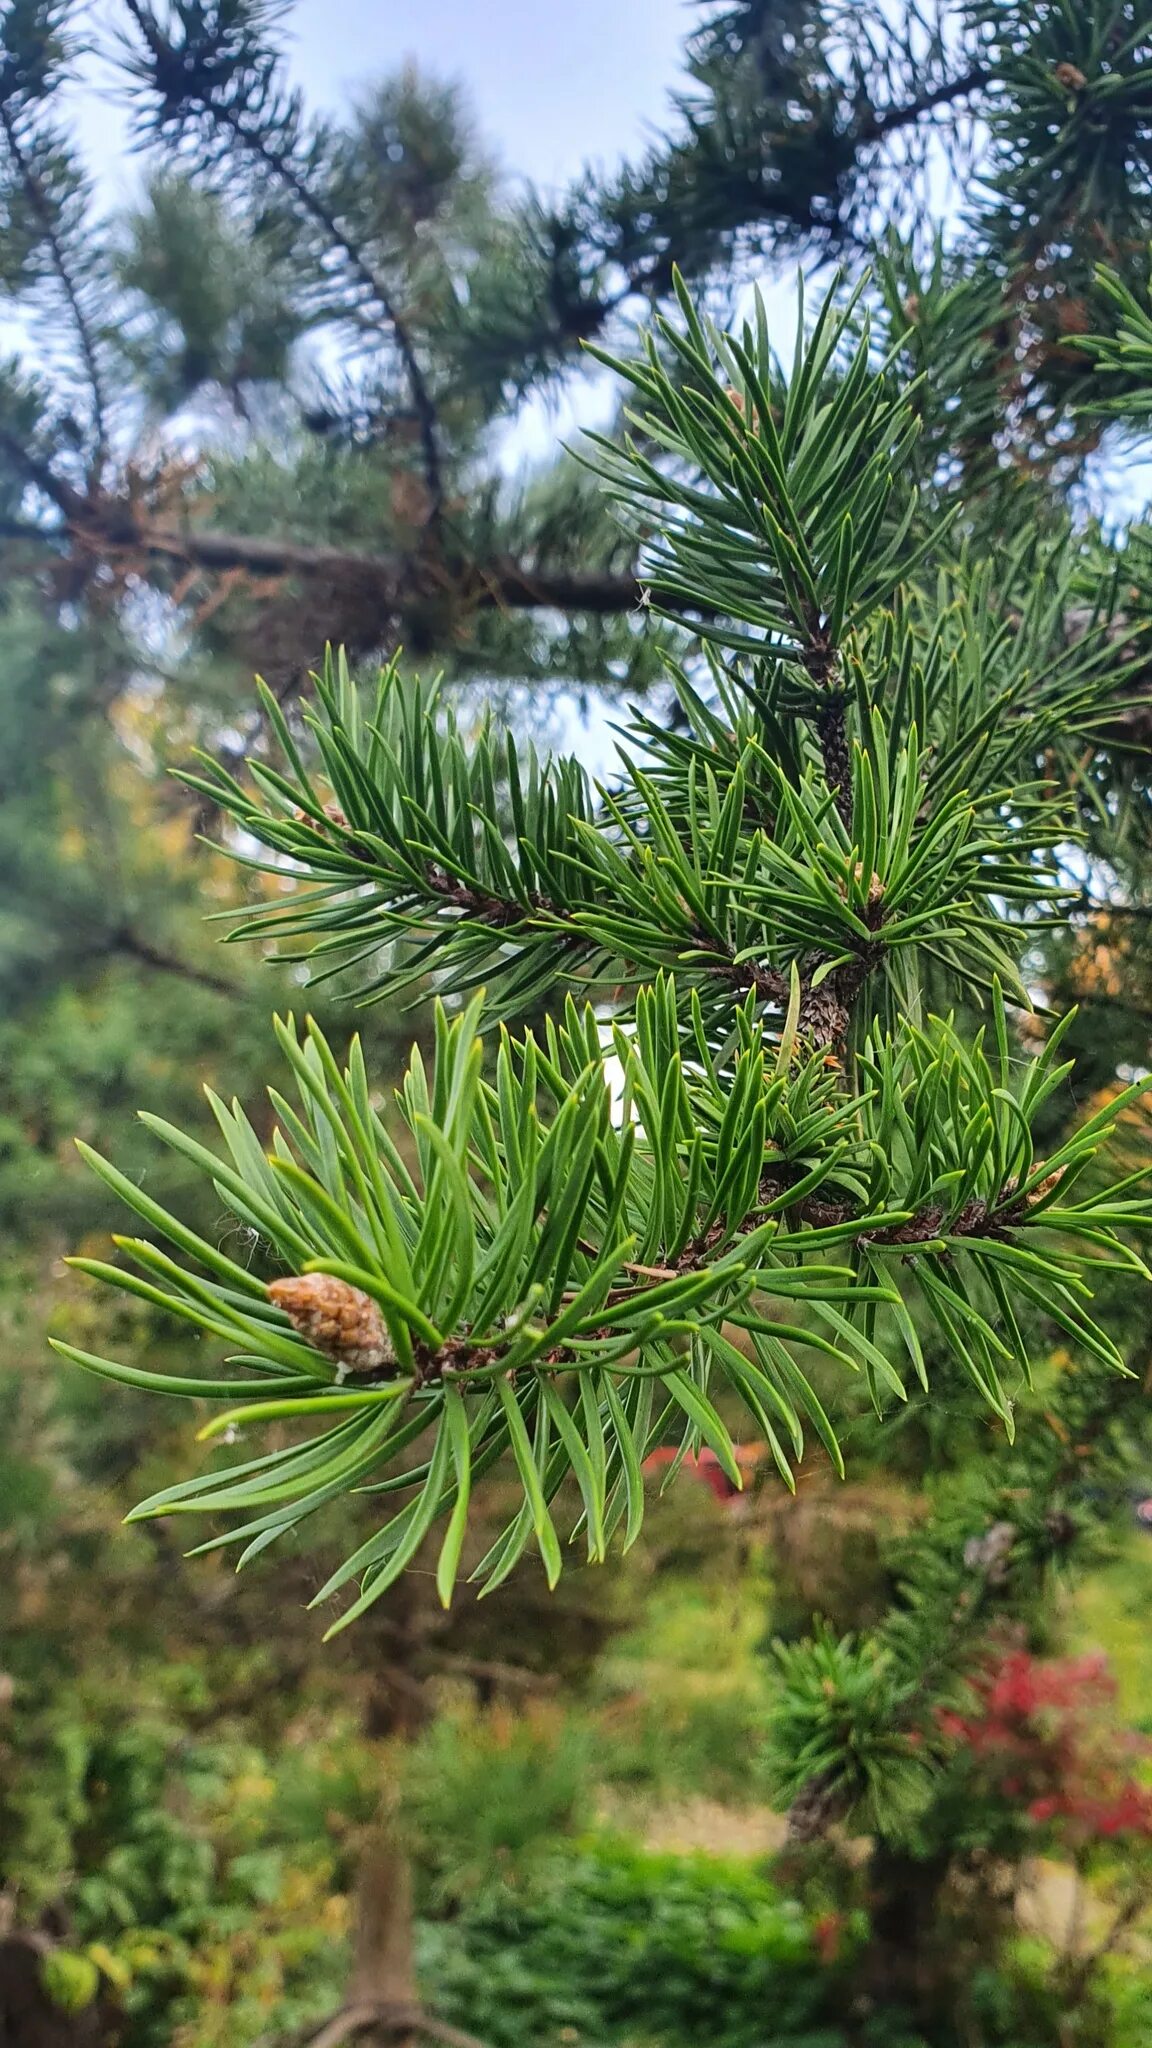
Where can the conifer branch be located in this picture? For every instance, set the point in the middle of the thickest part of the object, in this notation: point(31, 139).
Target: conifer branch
point(881, 122)
point(194, 96)
point(129, 943)
point(49, 227)
point(497, 583)
point(859, 1736)
point(549, 1268)
point(311, 204)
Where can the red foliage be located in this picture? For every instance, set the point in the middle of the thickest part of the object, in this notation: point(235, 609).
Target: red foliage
point(1043, 1735)
point(707, 1467)
point(827, 1935)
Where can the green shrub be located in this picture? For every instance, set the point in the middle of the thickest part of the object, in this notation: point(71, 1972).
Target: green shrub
point(610, 1943)
point(483, 1792)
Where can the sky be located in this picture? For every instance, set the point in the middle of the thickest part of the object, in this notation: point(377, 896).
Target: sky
point(554, 86)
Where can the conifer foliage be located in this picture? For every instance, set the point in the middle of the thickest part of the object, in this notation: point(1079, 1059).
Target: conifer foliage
point(365, 504)
point(755, 1144)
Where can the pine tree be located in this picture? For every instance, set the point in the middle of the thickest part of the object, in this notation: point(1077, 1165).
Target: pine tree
point(790, 1106)
point(367, 506)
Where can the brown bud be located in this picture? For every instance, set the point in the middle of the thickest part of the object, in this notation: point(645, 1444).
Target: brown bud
point(1047, 1186)
point(337, 1319)
point(875, 885)
point(737, 399)
point(332, 812)
point(1070, 77)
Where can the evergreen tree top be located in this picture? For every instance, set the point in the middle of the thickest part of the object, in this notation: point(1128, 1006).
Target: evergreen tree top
point(804, 131)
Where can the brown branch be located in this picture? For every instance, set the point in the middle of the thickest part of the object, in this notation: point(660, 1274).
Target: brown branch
point(501, 913)
point(745, 976)
point(37, 471)
point(462, 1360)
point(487, 1671)
point(422, 401)
point(825, 1015)
point(439, 2030)
point(133, 947)
point(879, 123)
point(1084, 998)
point(500, 584)
point(832, 733)
point(977, 1219)
point(350, 2020)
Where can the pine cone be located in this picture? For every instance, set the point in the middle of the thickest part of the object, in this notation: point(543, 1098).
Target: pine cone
point(825, 1017)
point(339, 1320)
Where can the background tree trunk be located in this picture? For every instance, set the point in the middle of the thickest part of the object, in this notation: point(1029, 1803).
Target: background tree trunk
point(28, 2017)
point(382, 2003)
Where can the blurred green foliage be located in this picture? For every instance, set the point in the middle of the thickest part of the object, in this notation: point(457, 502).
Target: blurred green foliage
point(200, 1876)
point(611, 1943)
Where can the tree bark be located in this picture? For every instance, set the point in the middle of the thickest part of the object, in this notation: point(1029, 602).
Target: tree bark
point(903, 1963)
point(383, 1980)
point(28, 2017)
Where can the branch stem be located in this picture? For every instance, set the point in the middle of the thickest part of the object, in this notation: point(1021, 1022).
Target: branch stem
point(89, 356)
